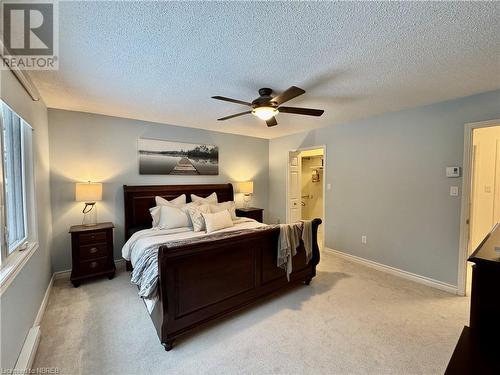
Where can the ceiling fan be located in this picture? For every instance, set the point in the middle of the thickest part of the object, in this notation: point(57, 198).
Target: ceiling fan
point(266, 106)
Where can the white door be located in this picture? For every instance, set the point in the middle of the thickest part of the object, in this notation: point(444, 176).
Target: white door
point(294, 186)
point(496, 199)
point(472, 202)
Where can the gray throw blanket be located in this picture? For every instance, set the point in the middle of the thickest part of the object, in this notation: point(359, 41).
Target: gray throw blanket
point(289, 241)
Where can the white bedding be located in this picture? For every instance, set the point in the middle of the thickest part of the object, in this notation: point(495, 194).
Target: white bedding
point(146, 238)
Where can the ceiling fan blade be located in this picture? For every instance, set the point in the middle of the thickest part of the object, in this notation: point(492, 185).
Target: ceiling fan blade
point(236, 115)
point(288, 94)
point(301, 111)
point(231, 100)
point(271, 122)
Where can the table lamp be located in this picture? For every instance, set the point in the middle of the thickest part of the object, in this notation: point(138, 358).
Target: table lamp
point(90, 193)
point(245, 188)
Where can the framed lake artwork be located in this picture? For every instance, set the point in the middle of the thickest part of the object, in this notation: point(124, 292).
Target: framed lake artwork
point(174, 158)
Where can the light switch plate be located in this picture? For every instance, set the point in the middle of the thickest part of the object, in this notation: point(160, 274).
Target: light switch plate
point(452, 172)
point(454, 191)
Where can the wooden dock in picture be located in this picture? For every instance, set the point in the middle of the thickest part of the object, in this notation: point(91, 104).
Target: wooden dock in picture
point(184, 166)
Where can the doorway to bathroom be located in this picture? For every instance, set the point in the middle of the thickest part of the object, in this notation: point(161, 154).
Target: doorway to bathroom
point(306, 186)
point(480, 193)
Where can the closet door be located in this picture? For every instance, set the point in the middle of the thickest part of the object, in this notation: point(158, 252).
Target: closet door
point(294, 186)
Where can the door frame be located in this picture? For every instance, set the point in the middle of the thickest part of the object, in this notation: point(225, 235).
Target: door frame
point(323, 147)
point(466, 198)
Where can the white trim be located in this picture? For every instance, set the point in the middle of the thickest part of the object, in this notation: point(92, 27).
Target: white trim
point(14, 264)
point(28, 352)
point(465, 206)
point(62, 275)
point(397, 272)
point(325, 163)
point(21, 76)
point(30, 346)
point(45, 301)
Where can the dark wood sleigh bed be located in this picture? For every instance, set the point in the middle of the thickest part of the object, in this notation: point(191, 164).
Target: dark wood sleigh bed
point(205, 281)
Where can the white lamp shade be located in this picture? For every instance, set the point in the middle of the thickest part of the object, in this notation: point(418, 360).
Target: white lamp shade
point(244, 187)
point(88, 192)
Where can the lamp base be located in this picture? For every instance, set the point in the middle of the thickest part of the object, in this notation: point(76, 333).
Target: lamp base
point(90, 216)
point(246, 200)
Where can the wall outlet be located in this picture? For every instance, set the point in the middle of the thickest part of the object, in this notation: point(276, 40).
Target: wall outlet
point(363, 239)
point(328, 186)
point(453, 191)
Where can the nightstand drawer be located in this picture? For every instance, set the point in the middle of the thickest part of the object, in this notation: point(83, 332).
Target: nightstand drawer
point(93, 251)
point(94, 266)
point(91, 238)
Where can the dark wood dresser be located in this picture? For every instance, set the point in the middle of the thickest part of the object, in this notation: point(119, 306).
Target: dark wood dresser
point(92, 252)
point(252, 213)
point(478, 349)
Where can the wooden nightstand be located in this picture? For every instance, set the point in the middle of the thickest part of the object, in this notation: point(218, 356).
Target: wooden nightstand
point(251, 212)
point(92, 252)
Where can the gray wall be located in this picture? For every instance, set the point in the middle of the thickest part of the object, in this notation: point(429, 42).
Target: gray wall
point(94, 147)
point(20, 302)
point(388, 182)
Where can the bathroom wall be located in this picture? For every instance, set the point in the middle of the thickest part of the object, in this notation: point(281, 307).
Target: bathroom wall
point(486, 183)
point(314, 190)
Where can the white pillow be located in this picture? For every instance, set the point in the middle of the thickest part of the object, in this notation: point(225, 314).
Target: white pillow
point(179, 201)
point(211, 199)
point(155, 211)
point(230, 206)
point(196, 216)
point(219, 220)
point(172, 217)
point(155, 215)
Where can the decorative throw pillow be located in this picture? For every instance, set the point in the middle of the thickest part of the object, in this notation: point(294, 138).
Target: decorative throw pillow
point(196, 215)
point(186, 207)
point(218, 220)
point(230, 206)
point(172, 217)
point(179, 201)
point(155, 211)
point(211, 199)
point(155, 215)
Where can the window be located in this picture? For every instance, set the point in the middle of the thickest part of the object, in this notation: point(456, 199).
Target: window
point(17, 192)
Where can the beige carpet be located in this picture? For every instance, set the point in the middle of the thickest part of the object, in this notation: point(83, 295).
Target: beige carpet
point(350, 320)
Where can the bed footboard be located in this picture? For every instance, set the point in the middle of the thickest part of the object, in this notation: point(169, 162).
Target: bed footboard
point(202, 282)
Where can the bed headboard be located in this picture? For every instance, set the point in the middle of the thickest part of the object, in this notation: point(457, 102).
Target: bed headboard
point(139, 199)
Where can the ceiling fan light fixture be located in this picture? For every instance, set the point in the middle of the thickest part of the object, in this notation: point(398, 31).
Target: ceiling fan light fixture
point(265, 113)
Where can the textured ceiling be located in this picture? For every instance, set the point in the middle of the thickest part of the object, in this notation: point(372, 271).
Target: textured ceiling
point(163, 61)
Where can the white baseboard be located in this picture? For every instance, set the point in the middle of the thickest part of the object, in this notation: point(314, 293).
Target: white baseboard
point(397, 272)
point(119, 263)
point(28, 352)
point(44, 303)
point(30, 346)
